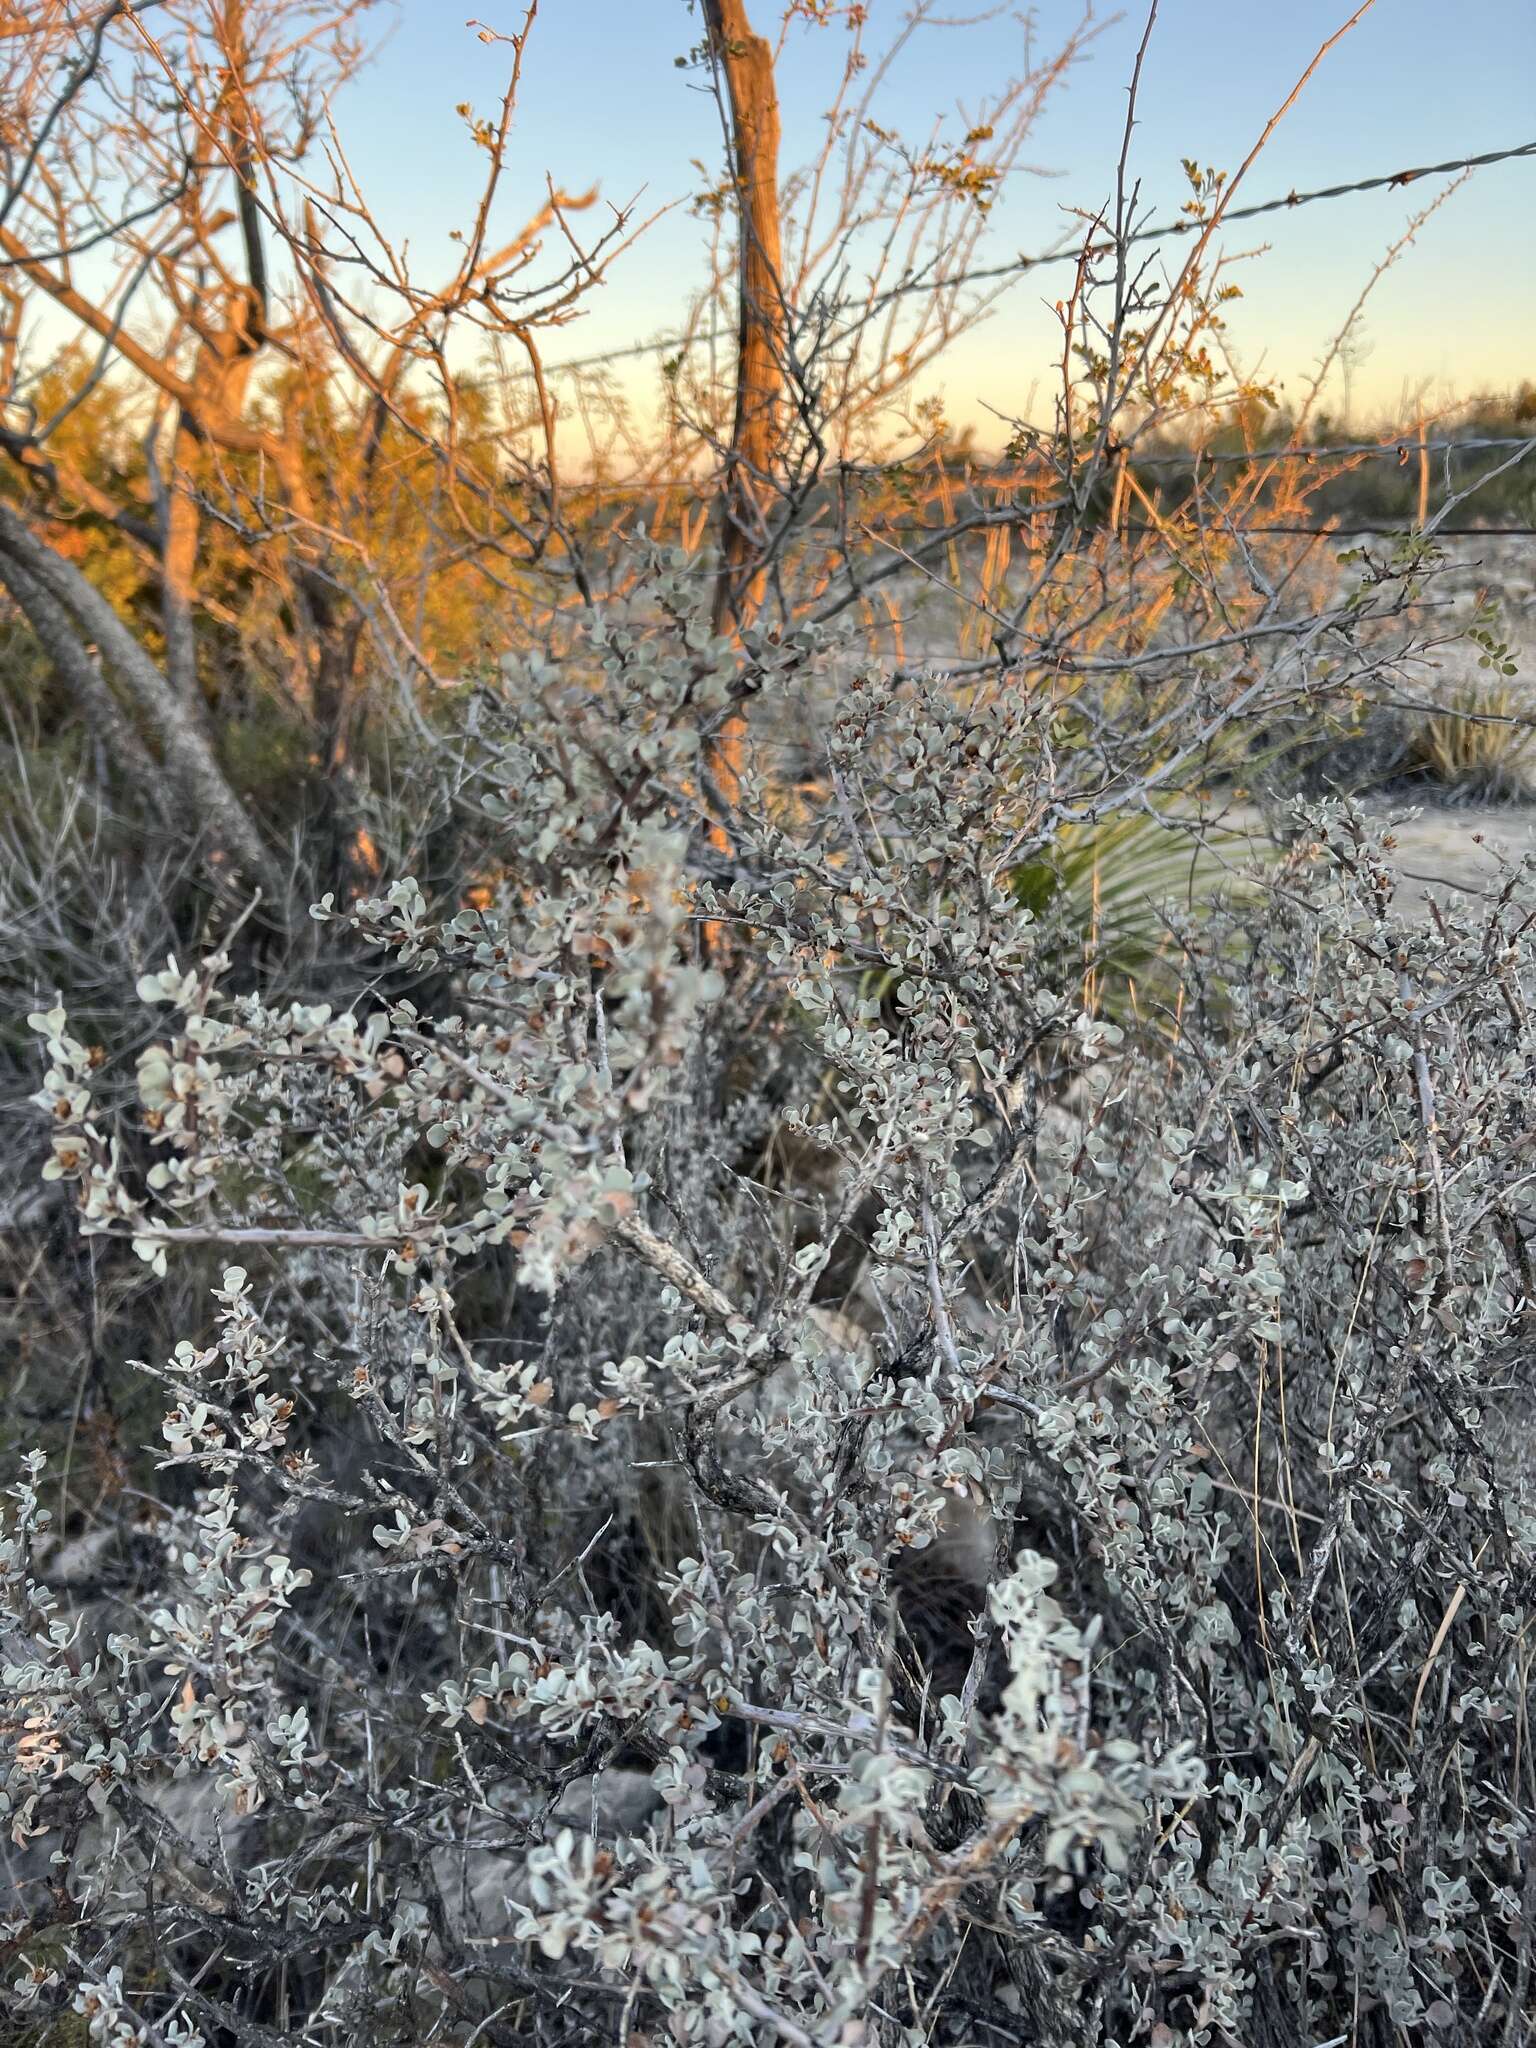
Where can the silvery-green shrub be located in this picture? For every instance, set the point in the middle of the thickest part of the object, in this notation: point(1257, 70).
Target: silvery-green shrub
point(760, 1468)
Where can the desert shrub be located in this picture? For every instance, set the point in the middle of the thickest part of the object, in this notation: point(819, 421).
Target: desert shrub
point(755, 1471)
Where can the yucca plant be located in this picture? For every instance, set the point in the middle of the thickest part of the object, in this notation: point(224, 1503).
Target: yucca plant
point(1478, 744)
point(1112, 894)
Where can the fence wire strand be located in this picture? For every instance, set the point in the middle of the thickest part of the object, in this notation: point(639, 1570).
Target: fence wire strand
point(1075, 252)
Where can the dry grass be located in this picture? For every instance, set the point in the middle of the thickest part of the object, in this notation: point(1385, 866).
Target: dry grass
point(1479, 743)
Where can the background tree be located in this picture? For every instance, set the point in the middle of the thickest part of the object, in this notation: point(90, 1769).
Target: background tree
point(170, 155)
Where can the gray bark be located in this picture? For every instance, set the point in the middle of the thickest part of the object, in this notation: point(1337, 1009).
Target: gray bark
point(189, 763)
point(71, 661)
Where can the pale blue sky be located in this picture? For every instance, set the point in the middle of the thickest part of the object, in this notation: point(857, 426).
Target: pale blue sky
point(1416, 81)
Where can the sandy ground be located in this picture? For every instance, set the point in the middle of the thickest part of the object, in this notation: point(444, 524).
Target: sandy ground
point(1453, 852)
point(1444, 852)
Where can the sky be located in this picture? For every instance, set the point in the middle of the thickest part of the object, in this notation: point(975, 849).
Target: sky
point(1415, 82)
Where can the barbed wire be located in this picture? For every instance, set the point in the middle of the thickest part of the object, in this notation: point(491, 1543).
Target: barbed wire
point(1405, 446)
point(1075, 252)
point(1399, 532)
point(1383, 181)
